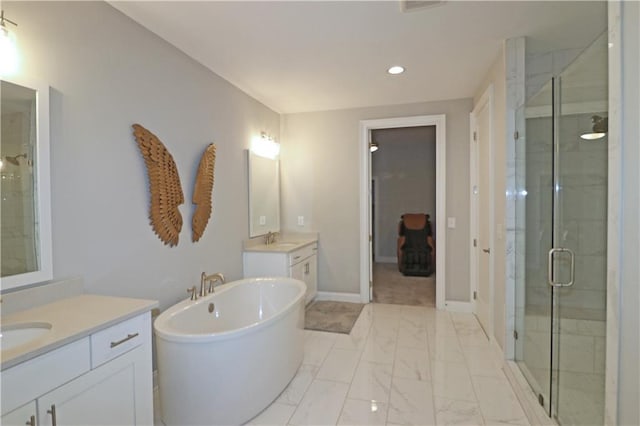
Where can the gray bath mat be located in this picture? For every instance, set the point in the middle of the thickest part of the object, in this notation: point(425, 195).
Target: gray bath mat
point(334, 317)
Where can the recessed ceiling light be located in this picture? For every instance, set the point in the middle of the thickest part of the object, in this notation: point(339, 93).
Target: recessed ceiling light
point(396, 69)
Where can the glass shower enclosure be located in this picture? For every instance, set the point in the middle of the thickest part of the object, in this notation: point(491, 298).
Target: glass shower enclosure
point(561, 222)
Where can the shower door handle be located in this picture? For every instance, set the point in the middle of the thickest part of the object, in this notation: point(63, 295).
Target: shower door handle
point(572, 271)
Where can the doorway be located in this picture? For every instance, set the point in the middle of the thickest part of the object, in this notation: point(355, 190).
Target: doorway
point(403, 179)
point(366, 222)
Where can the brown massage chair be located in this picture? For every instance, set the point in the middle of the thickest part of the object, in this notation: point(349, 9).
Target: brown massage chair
point(416, 250)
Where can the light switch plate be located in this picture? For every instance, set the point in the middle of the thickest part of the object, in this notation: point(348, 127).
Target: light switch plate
point(300, 220)
point(263, 220)
point(451, 222)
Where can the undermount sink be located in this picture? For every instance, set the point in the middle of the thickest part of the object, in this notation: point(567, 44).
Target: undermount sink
point(285, 244)
point(14, 335)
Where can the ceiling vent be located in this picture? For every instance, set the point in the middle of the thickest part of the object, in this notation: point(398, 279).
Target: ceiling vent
point(413, 5)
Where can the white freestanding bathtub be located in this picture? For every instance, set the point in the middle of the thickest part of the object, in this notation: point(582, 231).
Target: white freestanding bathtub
point(225, 366)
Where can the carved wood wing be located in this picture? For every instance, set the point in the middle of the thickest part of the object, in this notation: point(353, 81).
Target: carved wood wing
point(164, 186)
point(202, 192)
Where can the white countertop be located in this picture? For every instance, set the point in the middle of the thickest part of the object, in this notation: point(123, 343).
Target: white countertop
point(71, 319)
point(284, 246)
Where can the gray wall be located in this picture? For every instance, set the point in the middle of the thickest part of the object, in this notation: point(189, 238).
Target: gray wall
point(320, 181)
point(405, 172)
point(106, 73)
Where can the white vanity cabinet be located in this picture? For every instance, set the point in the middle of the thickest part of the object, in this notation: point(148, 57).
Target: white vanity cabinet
point(101, 379)
point(300, 263)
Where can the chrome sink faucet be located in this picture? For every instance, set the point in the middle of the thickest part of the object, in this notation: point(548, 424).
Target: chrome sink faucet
point(211, 279)
point(270, 238)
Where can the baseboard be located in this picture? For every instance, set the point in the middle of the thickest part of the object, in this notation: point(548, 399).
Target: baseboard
point(455, 306)
point(339, 297)
point(386, 259)
point(498, 352)
point(528, 400)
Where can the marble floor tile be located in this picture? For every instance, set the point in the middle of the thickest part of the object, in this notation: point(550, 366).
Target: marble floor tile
point(371, 382)
point(498, 402)
point(411, 364)
point(452, 412)
point(411, 403)
point(294, 392)
point(441, 324)
point(321, 405)
point(379, 349)
point(339, 366)
point(317, 346)
point(352, 342)
point(483, 362)
point(445, 348)
point(473, 338)
point(412, 337)
point(463, 321)
point(416, 316)
point(275, 414)
point(385, 309)
point(359, 412)
point(452, 381)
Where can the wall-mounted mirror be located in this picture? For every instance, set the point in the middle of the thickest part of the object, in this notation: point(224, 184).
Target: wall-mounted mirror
point(24, 185)
point(264, 195)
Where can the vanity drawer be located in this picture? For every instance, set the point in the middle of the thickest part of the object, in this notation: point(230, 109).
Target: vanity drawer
point(302, 253)
point(118, 339)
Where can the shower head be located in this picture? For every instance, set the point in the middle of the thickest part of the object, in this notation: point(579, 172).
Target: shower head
point(14, 160)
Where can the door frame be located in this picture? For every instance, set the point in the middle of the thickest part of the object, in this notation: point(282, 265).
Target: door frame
point(485, 101)
point(439, 121)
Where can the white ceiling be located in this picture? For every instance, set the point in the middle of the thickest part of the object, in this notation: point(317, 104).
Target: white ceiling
point(297, 56)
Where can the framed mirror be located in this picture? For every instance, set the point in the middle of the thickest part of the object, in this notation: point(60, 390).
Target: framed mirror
point(264, 195)
point(26, 256)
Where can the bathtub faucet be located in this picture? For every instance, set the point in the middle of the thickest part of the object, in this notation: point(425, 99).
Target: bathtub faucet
point(211, 279)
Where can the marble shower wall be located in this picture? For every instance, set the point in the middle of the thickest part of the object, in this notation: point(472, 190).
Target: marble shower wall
point(18, 210)
point(581, 214)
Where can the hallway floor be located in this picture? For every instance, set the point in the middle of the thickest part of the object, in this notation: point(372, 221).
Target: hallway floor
point(401, 365)
point(390, 286)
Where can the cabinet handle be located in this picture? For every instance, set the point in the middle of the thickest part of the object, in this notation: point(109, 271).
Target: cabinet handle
point(53, 414)
point(306, 268)
point(32, 421)
point(296, 257)
point(129, 337)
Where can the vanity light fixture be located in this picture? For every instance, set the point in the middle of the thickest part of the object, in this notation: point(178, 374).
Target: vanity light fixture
point(8, 47)
point(265, 146)
point(599, 128)
point(373, 146)
point(395, 70)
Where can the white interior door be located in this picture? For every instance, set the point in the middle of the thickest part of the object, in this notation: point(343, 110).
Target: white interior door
point(482, 247)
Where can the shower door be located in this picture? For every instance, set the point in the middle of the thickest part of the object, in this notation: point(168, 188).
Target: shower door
point(580, 226)
point(561, 221)
point(534, 240)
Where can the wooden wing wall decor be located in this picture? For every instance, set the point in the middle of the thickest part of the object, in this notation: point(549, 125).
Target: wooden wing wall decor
point(202, 192)
point(164, 186)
